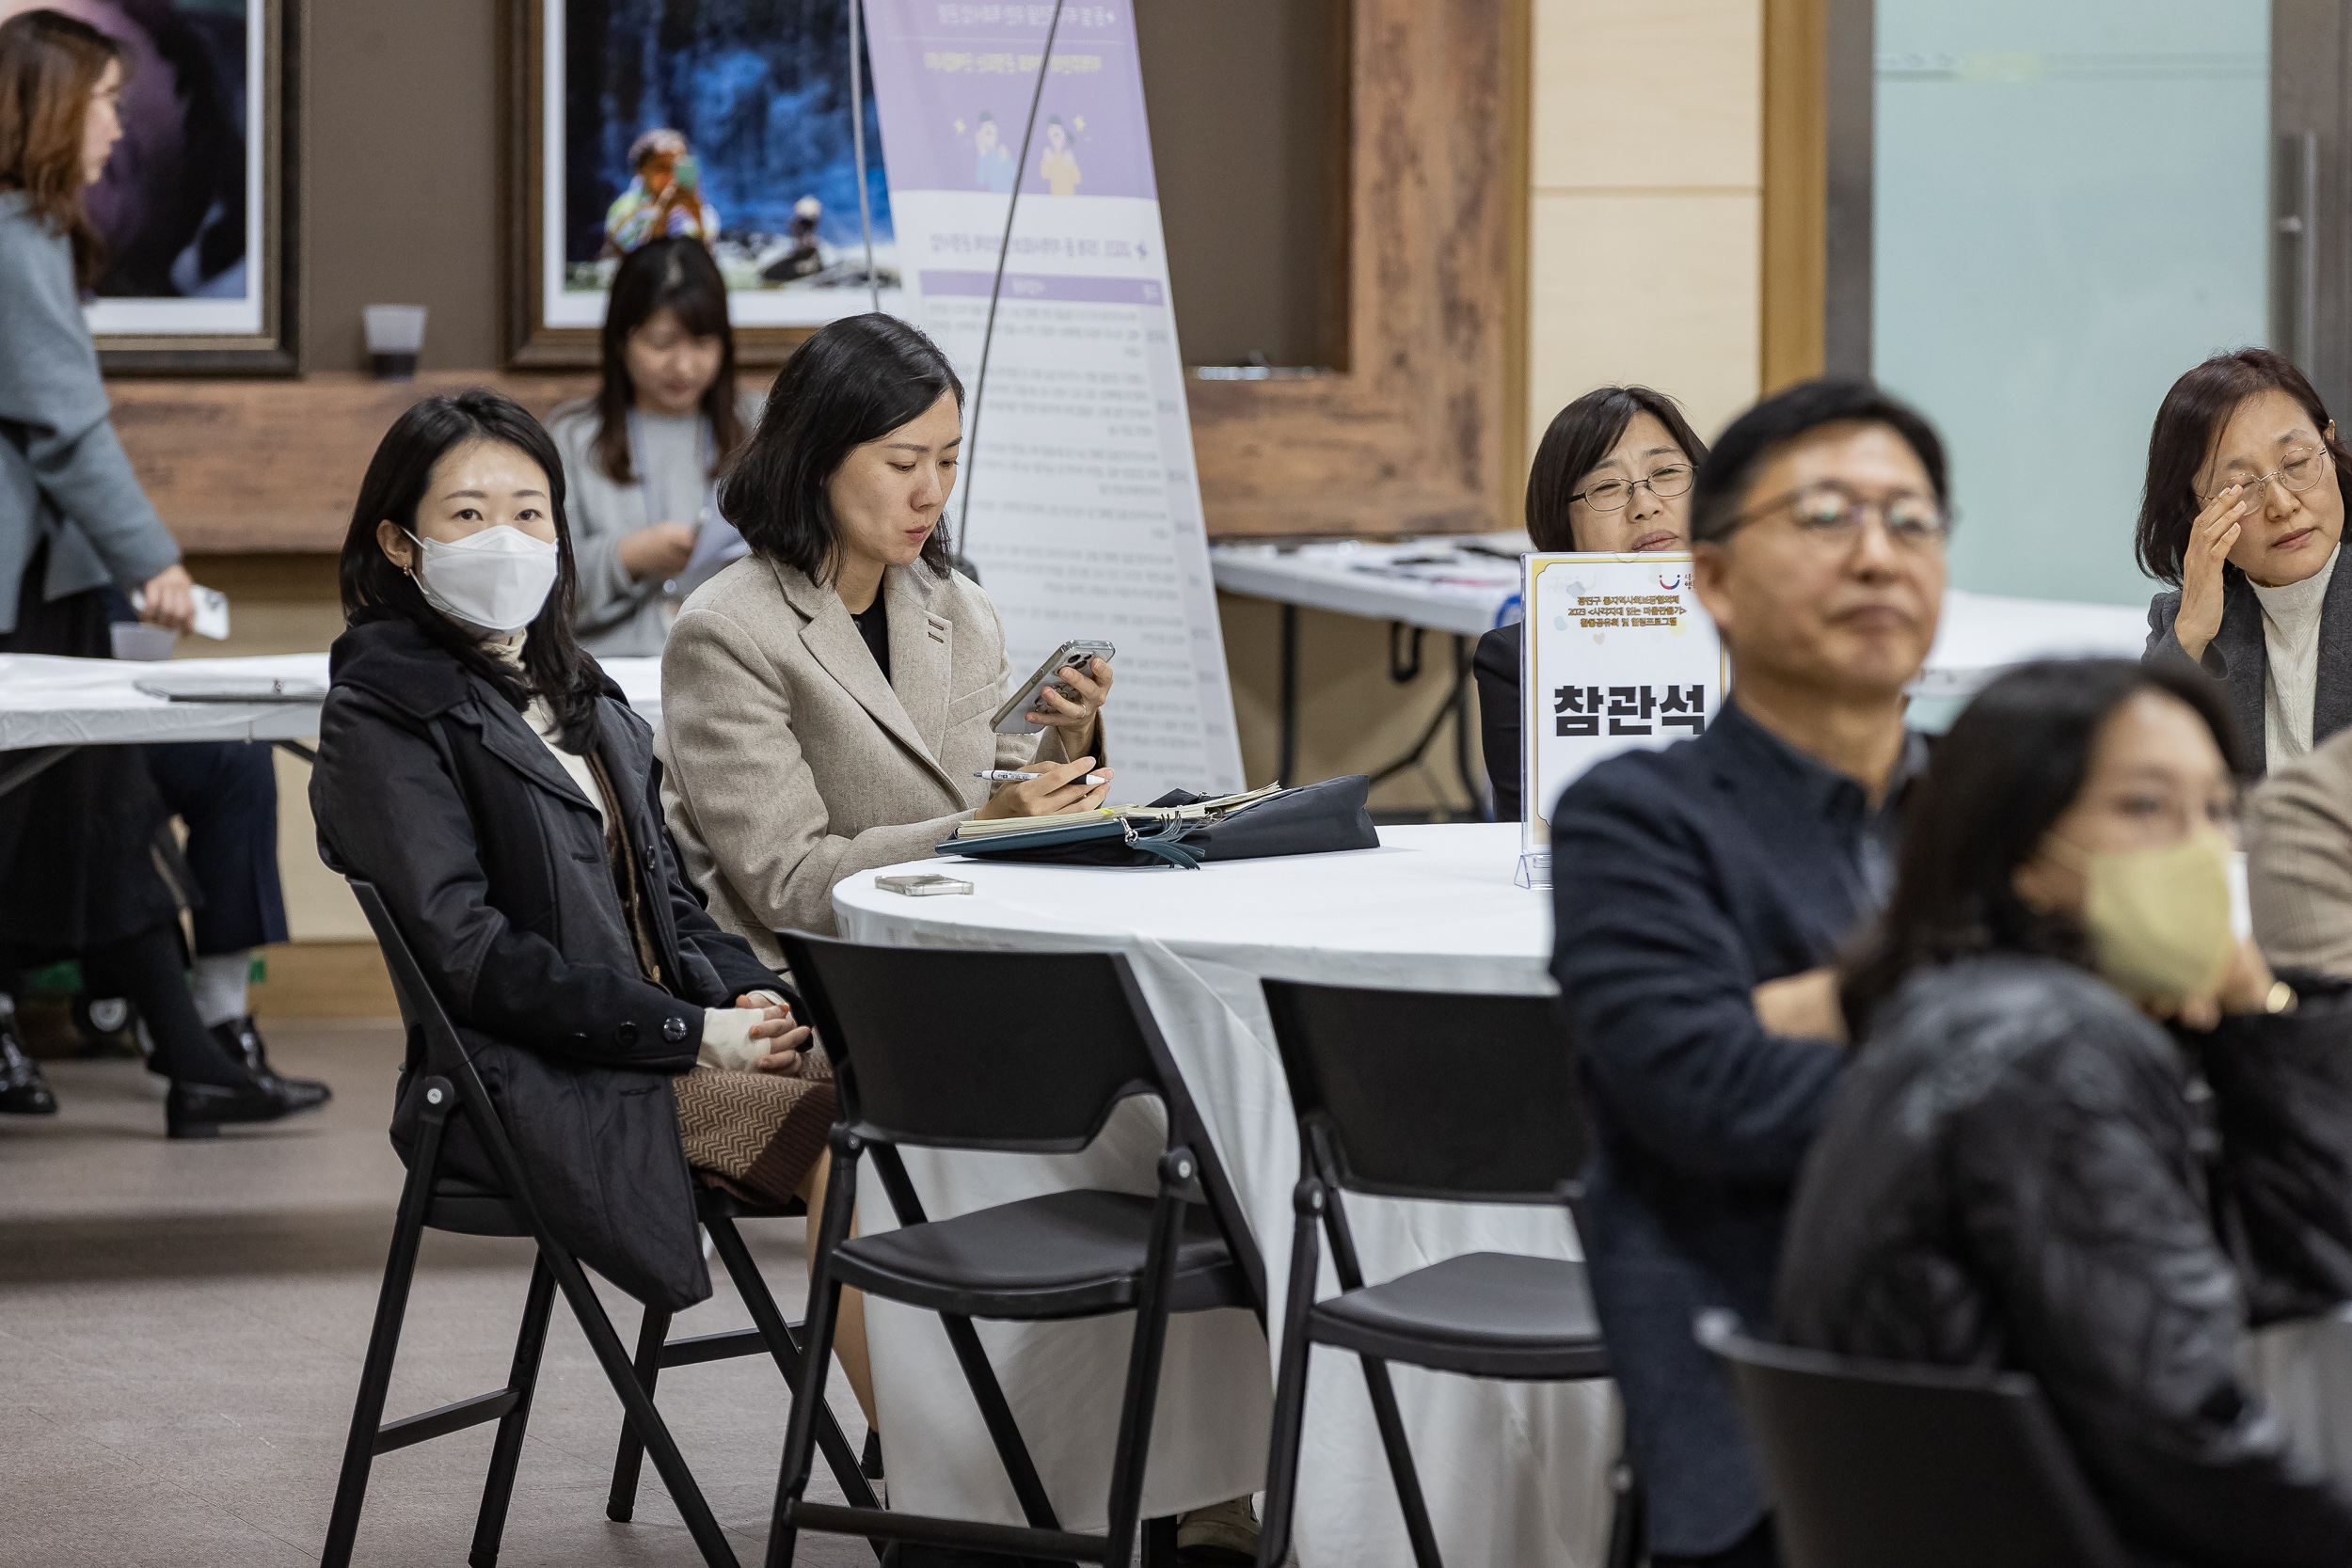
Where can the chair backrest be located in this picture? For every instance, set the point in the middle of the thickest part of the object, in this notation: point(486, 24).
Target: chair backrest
point(964, 1048)
point(1434, 1094)
point(971, 1049)
point(444, 1054)
point(1873, 1462)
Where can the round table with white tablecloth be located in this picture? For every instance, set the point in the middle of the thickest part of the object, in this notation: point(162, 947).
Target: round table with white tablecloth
point(1515, 1473)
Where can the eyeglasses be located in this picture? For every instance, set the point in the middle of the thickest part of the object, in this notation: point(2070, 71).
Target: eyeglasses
point(2300, 470)
point(1610, 495)
point(1833, 514)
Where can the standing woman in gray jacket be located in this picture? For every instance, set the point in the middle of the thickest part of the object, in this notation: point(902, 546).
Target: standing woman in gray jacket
point(79, 852)
point(2243, 512)
point(640, 457)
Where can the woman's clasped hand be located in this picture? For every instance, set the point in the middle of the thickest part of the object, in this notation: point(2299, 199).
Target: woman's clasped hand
point(779, 1036)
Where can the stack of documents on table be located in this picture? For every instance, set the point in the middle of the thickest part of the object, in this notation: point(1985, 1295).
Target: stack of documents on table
point(1200, 811)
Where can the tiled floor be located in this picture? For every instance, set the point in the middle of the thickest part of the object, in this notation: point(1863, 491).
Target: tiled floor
point(182, 1326)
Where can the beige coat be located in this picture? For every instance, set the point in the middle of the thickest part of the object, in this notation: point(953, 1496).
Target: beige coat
point(789, 764)
point(2298, 862)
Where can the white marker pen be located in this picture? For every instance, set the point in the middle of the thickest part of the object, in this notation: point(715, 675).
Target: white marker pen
point(999, 775)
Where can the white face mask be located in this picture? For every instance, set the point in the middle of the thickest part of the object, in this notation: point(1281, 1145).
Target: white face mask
point(494, 581)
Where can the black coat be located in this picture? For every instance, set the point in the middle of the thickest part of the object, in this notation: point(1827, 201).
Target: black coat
point(2022, 1171)
point(1496, 665)
point(432, 786)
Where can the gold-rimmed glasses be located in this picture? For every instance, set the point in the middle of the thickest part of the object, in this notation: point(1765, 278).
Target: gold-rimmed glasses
point(1610, 495)
point(2298, 470)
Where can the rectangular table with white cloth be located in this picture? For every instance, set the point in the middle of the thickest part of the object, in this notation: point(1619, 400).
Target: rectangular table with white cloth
point(50, 705)
point(1468, 584)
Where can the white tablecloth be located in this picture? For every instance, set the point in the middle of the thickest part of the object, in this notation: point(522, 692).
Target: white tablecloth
point(95, 702)
point(1514, 1472)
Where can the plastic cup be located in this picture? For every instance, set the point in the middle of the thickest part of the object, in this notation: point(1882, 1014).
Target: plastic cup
point(146, 643)
point(395, 336)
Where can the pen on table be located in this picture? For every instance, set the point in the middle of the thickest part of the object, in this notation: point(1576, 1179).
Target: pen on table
point(999, 775)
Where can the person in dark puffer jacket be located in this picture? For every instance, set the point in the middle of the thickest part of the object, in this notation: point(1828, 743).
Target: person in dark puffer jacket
point(2089, 1135)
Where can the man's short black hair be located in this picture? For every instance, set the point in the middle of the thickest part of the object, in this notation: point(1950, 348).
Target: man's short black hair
point(1721, 490)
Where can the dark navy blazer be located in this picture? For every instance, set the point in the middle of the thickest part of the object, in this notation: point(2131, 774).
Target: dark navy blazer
point(1683, 879)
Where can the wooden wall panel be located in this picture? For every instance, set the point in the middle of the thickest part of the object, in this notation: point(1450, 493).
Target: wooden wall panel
point(1411, 438)
point(1414, 435)
point(1796, 189)
point(275, 466)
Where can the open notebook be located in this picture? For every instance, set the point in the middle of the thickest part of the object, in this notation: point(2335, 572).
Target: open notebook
point(1224, 805)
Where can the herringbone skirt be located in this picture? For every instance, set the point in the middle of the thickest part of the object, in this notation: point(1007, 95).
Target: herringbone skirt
point(757, 1131)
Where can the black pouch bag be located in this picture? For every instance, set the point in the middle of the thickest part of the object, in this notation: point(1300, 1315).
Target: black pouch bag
point(1310, 820)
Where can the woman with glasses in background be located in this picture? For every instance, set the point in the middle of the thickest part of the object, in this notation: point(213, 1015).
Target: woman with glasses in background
point(2243, 512)
point(1611, 473)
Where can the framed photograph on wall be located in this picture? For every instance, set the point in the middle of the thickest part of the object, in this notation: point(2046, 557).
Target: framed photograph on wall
point(197, 204)
point(731, 121)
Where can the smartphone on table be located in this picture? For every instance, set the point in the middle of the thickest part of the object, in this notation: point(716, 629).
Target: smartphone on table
point(1030, 696)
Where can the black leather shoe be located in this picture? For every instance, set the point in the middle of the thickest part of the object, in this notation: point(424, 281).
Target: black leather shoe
point(201, 1110)
point(242, 1039)
point(23, 1090)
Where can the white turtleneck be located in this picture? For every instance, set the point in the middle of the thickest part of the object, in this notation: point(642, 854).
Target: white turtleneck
point(2291, 684)
point(727, 1031)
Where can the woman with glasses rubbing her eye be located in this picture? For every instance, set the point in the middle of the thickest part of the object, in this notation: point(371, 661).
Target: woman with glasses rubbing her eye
point(1613, 473)
point(2243, 511)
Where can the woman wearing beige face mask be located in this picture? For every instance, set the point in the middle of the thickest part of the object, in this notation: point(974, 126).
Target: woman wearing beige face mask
point(2088, 1135)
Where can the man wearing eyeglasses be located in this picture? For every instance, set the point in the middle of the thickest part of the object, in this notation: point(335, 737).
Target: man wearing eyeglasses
point(1701, 894)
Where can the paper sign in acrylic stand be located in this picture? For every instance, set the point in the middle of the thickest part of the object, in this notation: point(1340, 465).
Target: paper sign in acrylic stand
point(1614, 654)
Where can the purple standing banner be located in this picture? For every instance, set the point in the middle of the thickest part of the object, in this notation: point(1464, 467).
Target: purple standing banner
point(1084, 507)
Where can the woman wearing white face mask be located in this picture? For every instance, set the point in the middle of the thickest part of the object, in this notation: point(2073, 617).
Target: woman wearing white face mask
point(2025, 1168)
point(487, 777)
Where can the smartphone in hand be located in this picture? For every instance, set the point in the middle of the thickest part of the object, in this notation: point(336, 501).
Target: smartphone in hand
point(1030, 696)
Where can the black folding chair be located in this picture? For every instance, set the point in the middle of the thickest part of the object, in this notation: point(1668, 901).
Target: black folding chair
point(1872, 1463)
point(949, 1049)
point(432, 1200)
point(769, 1336)
point(1460, 1097)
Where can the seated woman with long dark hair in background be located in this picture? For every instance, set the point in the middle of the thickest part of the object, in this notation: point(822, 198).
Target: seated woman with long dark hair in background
point(2027, 1168)
point(641, 456)
point(489, 779)
point(1612, 473)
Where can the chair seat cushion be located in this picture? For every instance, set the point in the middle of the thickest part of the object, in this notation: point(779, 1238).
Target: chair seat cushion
point(1063, 1255)
point(470, 1209)
point(1488, 1314)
